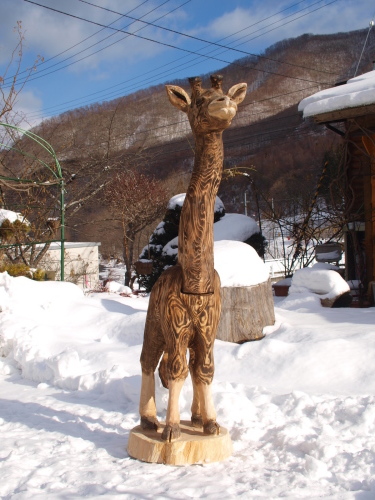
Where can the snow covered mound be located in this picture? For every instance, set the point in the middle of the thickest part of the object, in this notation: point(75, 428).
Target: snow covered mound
point(115, 287)
point(235, 227)
point(238, 264)
point(24, 292)
point(326, 283)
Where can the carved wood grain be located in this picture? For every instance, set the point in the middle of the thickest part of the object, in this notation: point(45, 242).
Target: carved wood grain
point(185, 303)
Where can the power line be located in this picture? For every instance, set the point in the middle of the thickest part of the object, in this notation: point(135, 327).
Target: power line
point(45, 61)
point(138, 19)
point(120, 92)
point(216, 44)
point(164, 126)
point(174, 46)
point(113, 94)
point(255, 140)
point(251, 103)
point(292, 20)
point(94, 44)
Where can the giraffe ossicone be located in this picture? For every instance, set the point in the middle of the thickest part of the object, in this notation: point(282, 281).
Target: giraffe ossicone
point(184, 308)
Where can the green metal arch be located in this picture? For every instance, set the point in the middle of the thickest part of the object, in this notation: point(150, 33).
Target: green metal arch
point(57, 174)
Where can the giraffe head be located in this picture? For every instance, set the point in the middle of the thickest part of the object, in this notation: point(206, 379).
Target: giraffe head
point(208, 110)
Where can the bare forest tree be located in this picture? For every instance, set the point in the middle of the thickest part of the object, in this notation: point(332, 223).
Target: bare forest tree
point(135, 201)
point(307, 217)
point(12, 85)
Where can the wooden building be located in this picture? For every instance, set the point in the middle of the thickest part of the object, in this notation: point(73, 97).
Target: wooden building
point(349, 110)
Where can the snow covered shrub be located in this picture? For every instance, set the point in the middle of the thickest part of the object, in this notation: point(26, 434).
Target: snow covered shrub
point(165, 231)
point(21, 269)
point(259, 243)
point(11, 230)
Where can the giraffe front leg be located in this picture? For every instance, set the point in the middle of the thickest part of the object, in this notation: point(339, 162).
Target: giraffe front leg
point(196, 415)
point(147, 406)
point(172, 429)
point(210, 426)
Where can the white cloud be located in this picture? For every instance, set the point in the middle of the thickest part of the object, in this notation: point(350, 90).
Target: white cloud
point(26, 105)
point(49, 33)
point(265, 28)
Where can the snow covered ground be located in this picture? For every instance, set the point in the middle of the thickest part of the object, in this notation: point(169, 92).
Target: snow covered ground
point(299, 404)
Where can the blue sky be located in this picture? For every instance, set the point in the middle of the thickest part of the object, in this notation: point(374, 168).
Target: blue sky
point(87, 59)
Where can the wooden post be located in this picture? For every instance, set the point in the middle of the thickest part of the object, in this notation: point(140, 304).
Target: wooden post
point(369, 190)
point(245, 311)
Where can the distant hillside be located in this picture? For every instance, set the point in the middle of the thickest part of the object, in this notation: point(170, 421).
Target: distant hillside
point(268, 134)
point(280, 78)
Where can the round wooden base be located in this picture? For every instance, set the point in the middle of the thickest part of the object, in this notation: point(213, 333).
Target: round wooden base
point(192, 447)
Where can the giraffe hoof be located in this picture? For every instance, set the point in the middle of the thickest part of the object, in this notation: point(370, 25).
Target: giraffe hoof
point(150, 423)
point(211, 427)
point(196, 420)
point(171, 432)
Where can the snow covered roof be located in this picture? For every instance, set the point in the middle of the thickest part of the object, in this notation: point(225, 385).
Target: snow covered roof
point(72, 244)
point(358, 92)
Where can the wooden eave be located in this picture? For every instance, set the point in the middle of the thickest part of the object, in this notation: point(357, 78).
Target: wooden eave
point(340, 115)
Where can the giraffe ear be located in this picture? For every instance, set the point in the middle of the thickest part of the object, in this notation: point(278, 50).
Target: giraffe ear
point(237, 92)
point(178, 97)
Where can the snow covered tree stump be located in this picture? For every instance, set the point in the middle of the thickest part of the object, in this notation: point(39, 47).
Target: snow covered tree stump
point(325, 282)
point(245, 311)
point(192, 447)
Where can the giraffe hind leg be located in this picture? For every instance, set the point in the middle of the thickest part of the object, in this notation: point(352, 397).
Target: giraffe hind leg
point(153, 346)
point(196, 415)
point(163, 370)
point(202, 363)
point(179, 332)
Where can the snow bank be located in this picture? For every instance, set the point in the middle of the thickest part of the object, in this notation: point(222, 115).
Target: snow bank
point(53, 341)
point(114, 286)
point(299, 404)
point(21, 292)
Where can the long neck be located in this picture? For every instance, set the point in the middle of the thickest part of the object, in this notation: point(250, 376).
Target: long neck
point(195, 236)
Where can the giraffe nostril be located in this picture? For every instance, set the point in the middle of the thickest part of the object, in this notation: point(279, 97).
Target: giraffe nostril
point(221, 99)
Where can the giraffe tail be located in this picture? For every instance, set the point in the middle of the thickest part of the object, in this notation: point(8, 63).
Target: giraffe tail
point(163, 372)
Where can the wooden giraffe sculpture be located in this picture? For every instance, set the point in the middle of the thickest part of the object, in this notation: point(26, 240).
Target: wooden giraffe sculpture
point(184, 308)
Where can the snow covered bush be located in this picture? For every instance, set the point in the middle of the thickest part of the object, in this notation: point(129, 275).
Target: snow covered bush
point(21, 269)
